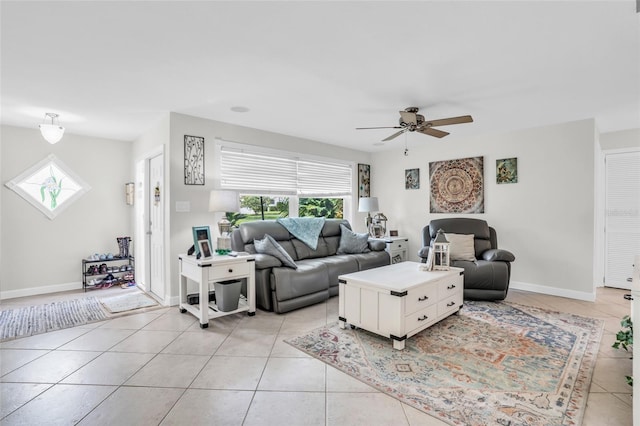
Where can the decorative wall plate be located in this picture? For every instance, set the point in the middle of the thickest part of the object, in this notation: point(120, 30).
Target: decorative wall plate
point(50, 186)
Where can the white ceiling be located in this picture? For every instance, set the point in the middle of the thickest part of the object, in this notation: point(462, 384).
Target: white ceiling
point(317, 70)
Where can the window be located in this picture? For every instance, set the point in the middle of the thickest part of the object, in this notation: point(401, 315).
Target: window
point(277, 184)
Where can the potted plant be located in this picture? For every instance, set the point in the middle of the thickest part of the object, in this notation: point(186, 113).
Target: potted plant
point(624, 338)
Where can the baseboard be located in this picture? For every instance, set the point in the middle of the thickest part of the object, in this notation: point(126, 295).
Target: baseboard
point(551, 291)
point(35, 291)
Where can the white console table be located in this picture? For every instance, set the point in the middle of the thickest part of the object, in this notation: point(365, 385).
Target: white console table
point(208, 271)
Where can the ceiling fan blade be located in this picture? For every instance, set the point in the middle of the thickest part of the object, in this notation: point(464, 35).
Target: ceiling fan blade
point(408, 117)
point(432, 132)
point(448, 121)
point(389, 127)
point(395, 135)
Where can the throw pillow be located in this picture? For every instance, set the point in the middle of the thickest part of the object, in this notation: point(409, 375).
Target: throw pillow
point(461, 247)
point(268, 245)
point(352, 242)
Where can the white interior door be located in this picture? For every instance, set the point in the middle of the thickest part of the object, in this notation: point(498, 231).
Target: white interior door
point(622, 217)
point(156, 226)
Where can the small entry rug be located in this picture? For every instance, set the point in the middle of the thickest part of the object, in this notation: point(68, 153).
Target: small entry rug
point(127, 302)
point(494, 363)
point(30, 320)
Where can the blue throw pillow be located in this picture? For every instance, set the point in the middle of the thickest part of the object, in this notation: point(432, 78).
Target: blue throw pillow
point(268, 245)
point(352, 242)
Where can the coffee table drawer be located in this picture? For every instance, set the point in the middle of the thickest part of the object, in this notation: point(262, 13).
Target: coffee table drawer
point(449, 305)
point(420, 298)
point(449, 286)
point(421, 319)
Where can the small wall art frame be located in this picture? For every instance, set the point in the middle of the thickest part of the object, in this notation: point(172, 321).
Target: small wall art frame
point(412, 179)
point(200, 233)
point(507, 170)
point(193, 160)
point(364, 180)
point(49, 185)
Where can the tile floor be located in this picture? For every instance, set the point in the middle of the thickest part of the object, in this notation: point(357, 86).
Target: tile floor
point(159, 368)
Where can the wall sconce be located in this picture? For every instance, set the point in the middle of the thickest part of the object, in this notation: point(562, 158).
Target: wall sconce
point(52, 133)
point(128, 193)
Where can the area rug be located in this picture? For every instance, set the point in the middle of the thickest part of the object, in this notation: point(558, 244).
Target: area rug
point(30, 320)
point(127, 302)
point(494, 363)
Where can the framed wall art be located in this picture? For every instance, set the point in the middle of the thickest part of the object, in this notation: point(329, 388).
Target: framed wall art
point(364, 180)
point(507, 170)
point(193, 160)
point(412, 179)
point(457, 186)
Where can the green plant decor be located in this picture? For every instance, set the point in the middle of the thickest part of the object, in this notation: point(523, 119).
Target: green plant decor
point(624, 338)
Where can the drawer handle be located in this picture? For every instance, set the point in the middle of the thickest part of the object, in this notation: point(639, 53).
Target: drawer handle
point(452, 286)
point(423, 298)
point(450, 304)
point(423, 318)
point(230, 270)
point(399, 245)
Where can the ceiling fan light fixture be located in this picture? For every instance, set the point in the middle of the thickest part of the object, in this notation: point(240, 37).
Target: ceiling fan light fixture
point(51, 132)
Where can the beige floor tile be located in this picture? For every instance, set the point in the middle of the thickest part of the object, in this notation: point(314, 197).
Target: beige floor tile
point(201, 342)
point(225, 324)
point(285, 350)
point(134, 406)
point(604, 409)
point(627, 398)
point(131, 322)
point(173, 321)
point(286, 408)
point(99, 339)
point(238, 373)
point(337, 381)
point(300, 325)
point(293, 374)
point(146, 341)
point(209, 407)
point(373, 409)
point(10, 359)
point(268, 322)
point(420, 418)
point(51, 340)
point(14, 395)
point(110, 368)
point(610, 374)
point(166, 370)
point(52, 367)
point(59, 405)
point(247, 343)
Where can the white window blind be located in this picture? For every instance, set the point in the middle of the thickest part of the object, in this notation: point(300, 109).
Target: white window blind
point(259, 173)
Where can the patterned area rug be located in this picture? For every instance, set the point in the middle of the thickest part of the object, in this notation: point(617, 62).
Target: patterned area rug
point(38, 319)
point(494, 363)
point(127, 302)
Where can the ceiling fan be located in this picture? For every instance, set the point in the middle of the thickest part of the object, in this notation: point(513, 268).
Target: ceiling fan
point(411, 121)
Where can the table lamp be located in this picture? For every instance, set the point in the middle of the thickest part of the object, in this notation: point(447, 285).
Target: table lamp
point(223, 201)
point(368, 205)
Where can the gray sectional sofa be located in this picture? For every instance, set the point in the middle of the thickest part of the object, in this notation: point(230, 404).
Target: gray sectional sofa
point(281, 288)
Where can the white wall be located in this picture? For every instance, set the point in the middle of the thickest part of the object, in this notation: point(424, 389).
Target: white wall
point(40, 255)
point(620, 140)
point(546, 219)
point(179, 223)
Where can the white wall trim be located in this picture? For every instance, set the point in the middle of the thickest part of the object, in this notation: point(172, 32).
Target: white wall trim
point(553, 291)
point(35, 291)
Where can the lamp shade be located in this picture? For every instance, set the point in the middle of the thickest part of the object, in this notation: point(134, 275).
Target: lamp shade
point(368, 204)
point(53, 132)
point(224, 201)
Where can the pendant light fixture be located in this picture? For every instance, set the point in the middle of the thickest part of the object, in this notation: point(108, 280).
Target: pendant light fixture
point(53, 132)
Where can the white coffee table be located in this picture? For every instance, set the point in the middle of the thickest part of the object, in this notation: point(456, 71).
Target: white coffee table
point(399, 300)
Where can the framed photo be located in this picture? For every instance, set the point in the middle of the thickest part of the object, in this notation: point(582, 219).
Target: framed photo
point(205, 249)
point(193, 160)
point(507, 170)
point(200, 233)
point(412, 179)
point(393, 233)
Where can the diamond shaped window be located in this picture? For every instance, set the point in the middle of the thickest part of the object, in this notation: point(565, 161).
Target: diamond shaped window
point(50, 186)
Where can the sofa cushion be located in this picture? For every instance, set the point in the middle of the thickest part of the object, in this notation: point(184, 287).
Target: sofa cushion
point(461, 247)
point(268, 245)
point(311, 276)
point(352, 242)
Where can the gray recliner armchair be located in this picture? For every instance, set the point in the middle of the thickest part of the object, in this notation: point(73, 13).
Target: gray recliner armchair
point(486, 278)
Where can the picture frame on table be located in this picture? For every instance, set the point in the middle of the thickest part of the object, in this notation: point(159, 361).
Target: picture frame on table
point(200, 233)
point(205, 249)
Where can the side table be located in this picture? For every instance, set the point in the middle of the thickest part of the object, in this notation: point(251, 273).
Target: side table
point(208, 271)
point(397, 248)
